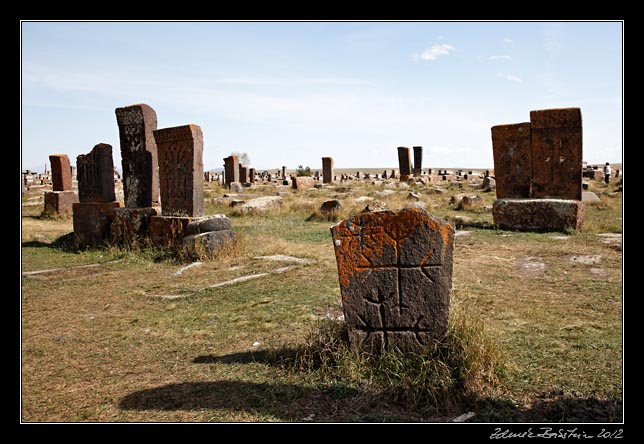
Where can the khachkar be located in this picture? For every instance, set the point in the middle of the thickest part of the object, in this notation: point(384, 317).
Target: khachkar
point(182, 223)
point(59, 201)
point(231, 169)
point(395, 272)
point(327, 170)
point(94, 213)
point(404, 163)
point(138, 155)
point(181, 170)
point(538, 170)
point(418, 161)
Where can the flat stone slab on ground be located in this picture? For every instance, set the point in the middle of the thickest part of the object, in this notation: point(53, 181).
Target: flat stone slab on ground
point(530, 266)
point(589, 196)
point(586, 259)
point(261, 204)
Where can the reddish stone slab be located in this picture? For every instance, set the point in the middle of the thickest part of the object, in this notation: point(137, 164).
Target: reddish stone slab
point(302, 182)
point(395, 273)
point(538, 214)
point(327, 170)
point(512, 149)
point(95, 175)
point(418, 161)
point(59, 203)
point(61, 172)
point(181, 170)
point(404, 163)
point(168, 231)
point(131, 225)
point(139, 157)
point(556, 153)
point(92, 222)
point(231, 169)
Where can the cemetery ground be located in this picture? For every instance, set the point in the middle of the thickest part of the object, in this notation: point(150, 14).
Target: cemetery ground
point(137, 335)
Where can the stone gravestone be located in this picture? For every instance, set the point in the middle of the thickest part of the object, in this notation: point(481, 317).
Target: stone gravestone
point(404, 163)
point(538, 172)
point(251, 175)
point(327, 169)
point(138, 155)
point(181, 170)
point(59, 201)
point(94, 213)
point(395, 273)
point(418, 161)
point(95, 172)
point(243, 174)
point(231, 169)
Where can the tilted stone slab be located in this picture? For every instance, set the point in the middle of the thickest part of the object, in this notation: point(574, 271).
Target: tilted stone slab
point(538, 214)
point(395, 273)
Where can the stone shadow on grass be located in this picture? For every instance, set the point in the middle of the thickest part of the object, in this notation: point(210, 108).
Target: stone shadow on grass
point(261, 356)
point(64, 243)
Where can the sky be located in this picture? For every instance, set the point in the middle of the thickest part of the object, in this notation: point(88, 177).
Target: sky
point(290, 93)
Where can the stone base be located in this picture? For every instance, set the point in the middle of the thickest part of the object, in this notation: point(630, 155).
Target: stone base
point(130, 225)
point(92, 222)
point(59, 203)
point(170, 231)
point(302, 182)
point(208, 242)
point(538, 214)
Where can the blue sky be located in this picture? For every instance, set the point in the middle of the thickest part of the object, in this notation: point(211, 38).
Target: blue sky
point(289, 93)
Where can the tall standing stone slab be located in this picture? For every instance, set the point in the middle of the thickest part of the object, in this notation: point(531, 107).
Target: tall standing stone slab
point(181, 170)
point(61, 172)
point(404, 163)
point(395, 273)
point(251, 175)
point(139, 155)
point(512, 149)
point(243, 174)
point(556, 153)
point(95, 174)
point(231, 169)
point(418, 161)
point(327, 169)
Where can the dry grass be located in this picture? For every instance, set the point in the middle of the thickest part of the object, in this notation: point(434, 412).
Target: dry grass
point(130, 340)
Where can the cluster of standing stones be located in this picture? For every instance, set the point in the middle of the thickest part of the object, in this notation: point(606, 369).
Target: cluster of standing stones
point(394, 267)
point(163, 183)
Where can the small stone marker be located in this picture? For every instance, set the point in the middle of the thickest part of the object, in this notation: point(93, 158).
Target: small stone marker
point(181, 170)
point(395, 273)
point(327, 169)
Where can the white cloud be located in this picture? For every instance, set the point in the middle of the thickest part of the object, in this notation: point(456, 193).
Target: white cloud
point(510, 77)
point(508, 40)
point(500, 57)
point(435, 51)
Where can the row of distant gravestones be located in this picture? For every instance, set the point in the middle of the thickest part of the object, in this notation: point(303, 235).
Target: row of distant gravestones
point(394, 268)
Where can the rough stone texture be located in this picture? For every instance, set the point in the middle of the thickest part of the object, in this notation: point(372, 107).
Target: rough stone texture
point(251, 175)
point(210, 241)
point(512, 149)
point(61, 172)
point(261, 204)
point(199, 225)
point(95, 175)
point(395, 273)
point(168, 231)
point(236, 187)
point(556, 153)
point(330, 206)
point(131, 225)
point(404, 163)
point(418, 161)
point(471, 202)
point(59, 203)
point(139, 157)
point(92, 222)
point(231, 169)
point(243, 174)
point(488, 184)
point(327, 170)
point(538, 214)
point(589, 196)
point(302, 182)
point(181, 170)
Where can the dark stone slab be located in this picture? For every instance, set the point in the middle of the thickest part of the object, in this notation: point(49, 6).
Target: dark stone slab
point(206, 224)
point(538, 214)
point(139, 157)
point(327, 170)
point(418, 161)
point(95, 175)
point(168, 231)
point(404, 163)
point(59, 203)
point(181, 170)
point(512, 148)
point(131, 225)
point(231, 169)
point(395, 273)
point(211, 241)
point(92, 222)
point(61, 172)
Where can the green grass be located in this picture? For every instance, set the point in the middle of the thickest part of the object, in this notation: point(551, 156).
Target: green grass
point(103, 344)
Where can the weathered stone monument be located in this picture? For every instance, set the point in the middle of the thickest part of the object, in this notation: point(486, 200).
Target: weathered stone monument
point(395, 273)
point(418, 161)
point(138, 155)
point(283, 172)
point(181, 170)
point(59, 201)
point(404, 163)
point(327, 169)
point(94, 212)
point(251, 175)
point(231, 170)
point(538, 172)
point(243, 174)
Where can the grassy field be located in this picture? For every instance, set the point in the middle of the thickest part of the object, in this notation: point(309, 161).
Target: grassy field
point(117, 335)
